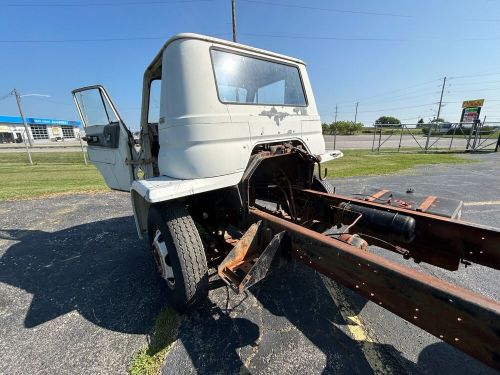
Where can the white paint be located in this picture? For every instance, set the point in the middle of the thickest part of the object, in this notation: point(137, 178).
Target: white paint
point(483, 203)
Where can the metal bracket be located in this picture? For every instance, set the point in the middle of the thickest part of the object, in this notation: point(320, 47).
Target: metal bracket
point(138, 162)
point(249, 262)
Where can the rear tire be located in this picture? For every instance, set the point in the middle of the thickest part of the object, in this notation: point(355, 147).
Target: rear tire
point(179, 254)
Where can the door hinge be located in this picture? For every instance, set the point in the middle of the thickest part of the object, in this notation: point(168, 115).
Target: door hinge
point(138, 162)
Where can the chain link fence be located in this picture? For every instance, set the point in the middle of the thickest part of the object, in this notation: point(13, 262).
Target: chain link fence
point(465, 136)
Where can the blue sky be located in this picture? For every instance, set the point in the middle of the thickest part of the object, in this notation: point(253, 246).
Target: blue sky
point(388, 55)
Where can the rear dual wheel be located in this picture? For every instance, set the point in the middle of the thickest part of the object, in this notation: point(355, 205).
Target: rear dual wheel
point(179, 254)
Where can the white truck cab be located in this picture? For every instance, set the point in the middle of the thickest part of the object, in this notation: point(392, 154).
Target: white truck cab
point(221, 105)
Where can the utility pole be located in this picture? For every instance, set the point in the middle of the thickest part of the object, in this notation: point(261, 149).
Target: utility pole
point(441, 98)
point(437, 117)
point(233, 7)
point(18, 99)
point(356, 114)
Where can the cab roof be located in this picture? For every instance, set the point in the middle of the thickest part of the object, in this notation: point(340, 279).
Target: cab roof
point(156, 63)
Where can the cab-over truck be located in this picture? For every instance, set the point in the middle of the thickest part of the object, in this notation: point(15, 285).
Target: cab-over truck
point(229, 177)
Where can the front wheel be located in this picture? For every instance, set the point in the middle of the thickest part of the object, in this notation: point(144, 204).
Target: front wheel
point(323, 186)
point(179, 254)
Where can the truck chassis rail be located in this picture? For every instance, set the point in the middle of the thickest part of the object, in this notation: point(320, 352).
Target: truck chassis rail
point(458, 316)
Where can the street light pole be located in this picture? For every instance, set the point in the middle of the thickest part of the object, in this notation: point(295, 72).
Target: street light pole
point(18, 100)
point(356, 114)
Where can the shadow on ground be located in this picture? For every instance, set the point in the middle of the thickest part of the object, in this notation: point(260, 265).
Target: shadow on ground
point(99, 269)
point(287, 324)
point(290, 324)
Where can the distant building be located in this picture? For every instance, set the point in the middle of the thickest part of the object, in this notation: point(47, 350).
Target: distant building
point(40, 129)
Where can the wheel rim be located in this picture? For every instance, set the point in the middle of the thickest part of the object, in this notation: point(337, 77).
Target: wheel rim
point(162, 259)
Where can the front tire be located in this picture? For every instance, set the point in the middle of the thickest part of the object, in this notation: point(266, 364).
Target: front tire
point(323, 186)
point(179, 254)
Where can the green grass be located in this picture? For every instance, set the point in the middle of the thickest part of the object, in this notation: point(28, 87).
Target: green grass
point(149, 359)
point(52, 173)
point(367, 163)
point(65, 172)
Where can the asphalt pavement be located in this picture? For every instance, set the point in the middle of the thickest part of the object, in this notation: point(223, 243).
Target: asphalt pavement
point(79, 294)
point(358, 141)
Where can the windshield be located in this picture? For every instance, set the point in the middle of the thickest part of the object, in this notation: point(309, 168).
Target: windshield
point(249, 80)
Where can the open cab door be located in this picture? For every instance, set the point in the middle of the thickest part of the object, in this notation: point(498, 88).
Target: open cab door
point(110, 143)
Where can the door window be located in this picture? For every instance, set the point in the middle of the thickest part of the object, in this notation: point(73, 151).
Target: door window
point(95, 108)
point(154, 101)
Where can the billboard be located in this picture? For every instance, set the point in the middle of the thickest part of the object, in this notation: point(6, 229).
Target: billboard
point(471, 110)
point(473, 103)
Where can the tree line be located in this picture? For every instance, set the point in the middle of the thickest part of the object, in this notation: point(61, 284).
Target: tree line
point(342, 127)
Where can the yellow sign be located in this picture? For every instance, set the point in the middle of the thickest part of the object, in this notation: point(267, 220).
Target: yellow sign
point(56, 131)
point(4, 129)
point(473, 103)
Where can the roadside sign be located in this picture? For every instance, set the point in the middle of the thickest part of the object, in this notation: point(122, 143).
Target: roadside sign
point(473, 103)
point(470, 114)
point(471, 110)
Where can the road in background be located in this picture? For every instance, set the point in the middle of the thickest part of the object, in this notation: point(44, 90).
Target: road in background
point(361, 141)
point(68, 146)
point(365, 141)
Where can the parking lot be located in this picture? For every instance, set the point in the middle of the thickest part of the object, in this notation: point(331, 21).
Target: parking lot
point(78, 294)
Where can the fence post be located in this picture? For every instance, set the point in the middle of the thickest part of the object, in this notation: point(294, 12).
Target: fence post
point(452, 137)
point(379, 139)
point(373, 142)
point(401, 136)
point(335, 137)
point(477, 127)
point(428, 137)
point(81, 146)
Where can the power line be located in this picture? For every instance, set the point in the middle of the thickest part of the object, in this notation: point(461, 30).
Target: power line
point(394, 109)
point(121, 39)
point(476, 75)
point(477, 90)
point(473, 83)
point(317, 37)
point(372, 39)
point(12, 5)
point(366, 13)
point(155, 38)
point(407, 96)
point(6, 95)
point(385, 93)
point(79, 40)
point(294, 37)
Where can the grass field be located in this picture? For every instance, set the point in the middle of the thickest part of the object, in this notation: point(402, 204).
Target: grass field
point(63, 172)
point(52, 173)
point(367, 163)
